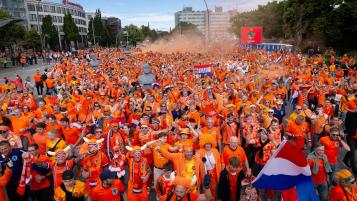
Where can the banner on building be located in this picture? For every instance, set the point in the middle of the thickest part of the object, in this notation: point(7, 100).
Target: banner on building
point(204, 70)
point(251, 35)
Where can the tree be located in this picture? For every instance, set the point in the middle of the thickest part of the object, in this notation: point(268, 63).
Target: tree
point(98, 26)
point(4, 15)
point(148, 33)
point(135, 34)
point(49, 32)
point(106, 36)
point(32, 39)
point(12, 32)
point(186, 28)
point(90, 30)
point(71, 33)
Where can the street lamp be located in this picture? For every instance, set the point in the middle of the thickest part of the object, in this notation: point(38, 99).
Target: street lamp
point(38, 24)
point(208, 34)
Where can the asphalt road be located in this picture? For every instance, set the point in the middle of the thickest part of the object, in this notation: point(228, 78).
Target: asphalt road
point(11, 72)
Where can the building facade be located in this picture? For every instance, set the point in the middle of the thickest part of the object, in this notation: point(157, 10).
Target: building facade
point(217, 23)
point(114, 24)
point(15, 7)
point(36, 10)
point(197, 18)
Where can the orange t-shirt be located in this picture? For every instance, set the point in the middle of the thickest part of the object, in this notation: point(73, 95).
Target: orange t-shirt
point(331, 149)
point(104, 194)
point(320, 177)
point(40, 140)
point(298, 130)
point(71, 135)
point(159, 160)
point(214, 131)
point(228, 153)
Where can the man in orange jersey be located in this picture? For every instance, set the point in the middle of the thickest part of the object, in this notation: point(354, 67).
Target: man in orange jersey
point(139, 174)
point(38, 82)
point(108, 188)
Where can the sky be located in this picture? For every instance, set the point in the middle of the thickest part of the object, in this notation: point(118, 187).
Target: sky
point(159, 13)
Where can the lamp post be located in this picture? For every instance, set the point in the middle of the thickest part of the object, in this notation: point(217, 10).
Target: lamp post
point(127, 37)
point(208, 31)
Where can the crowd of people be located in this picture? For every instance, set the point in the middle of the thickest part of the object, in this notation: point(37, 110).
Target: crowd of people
point(78, 132)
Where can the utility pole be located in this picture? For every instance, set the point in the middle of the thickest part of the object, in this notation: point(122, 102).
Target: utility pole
point(208, 31)
point(38, 24)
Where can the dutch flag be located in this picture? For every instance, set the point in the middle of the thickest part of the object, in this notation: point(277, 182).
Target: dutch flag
point(288, 170)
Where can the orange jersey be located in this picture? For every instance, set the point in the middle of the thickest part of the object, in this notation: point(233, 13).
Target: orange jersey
point(99, 193)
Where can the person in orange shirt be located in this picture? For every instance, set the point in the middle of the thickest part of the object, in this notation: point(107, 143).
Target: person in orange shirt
point(298, 131)
point(214, 131)
point(51, 124)
point(108, 188)
point(320, 168)
point(93, 162)
point(40, 137)
point(332, 144)
point(186, 164)
point(139, 174)
point(229, 128)
point(40, 168)
point(50, 86)
point(346, 188)
point(60, 164)
point(72, 135)
point(211, 159)
point(159, 160)
point(235, 150)
point(38, 82)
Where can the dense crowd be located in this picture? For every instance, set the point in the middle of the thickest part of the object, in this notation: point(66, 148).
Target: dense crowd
point(150, 123)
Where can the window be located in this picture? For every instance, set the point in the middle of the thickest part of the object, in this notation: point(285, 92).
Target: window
point(31, 7)
point(63, 11)
point(58, 9)
point(33, 17)
point(54, 18)
point(46, 8)
point(59, 19)
point(39, 8)
point(53, 9)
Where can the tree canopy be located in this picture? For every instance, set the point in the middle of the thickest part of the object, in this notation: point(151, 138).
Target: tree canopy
point(307, 23)
point(49, 32)
point(70, 29)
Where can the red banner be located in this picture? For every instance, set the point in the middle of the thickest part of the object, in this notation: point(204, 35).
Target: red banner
point(251, 35)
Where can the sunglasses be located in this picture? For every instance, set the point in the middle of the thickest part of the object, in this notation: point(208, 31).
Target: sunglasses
point(99, 131)
point(3, 131)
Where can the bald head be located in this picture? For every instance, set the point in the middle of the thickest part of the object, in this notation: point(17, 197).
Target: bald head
point(233, 142)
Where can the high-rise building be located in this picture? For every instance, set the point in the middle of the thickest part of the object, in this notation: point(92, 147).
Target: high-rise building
point(36, 10)
point(197, 18)
point(217, 22)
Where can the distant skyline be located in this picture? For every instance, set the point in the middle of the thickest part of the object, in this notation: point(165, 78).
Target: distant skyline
point(159, 13)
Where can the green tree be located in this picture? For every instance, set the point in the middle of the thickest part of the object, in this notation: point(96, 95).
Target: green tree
point(32, 39)
point(135, 34)
point(186, 28)
point(17, 33)
point(90, 30)
point(149, 34)
point(106, 36)
point(49, 32)
point(12, 32)
point(5, 15)
point(71, 33)
point(98, 26)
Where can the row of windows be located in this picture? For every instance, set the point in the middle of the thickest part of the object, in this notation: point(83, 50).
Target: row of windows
point(56, 19)
point(54, 9)
point(60, 28)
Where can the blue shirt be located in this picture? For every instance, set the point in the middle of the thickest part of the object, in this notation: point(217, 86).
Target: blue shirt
point(16, 157)
point(279, 114)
